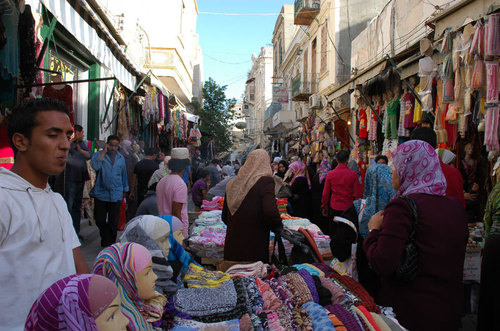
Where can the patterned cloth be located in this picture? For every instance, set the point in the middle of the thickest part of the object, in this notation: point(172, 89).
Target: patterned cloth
point(418, 168)
point(492, 212)
point(181, 324)
point(206, 301)
point(63, 306)
point(310, 284)
point(299, 170)
point(199, 277)
point(118, 262)
point(319, 316)
point(323, 169)
point(345, 317)
point(337, 294)
point(378, 193)
point(177, 252)
point(298, 287)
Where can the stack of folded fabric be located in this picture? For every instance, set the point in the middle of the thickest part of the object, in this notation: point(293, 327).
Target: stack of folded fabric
point(216, 204)
point(282, 205)
point(257, 269)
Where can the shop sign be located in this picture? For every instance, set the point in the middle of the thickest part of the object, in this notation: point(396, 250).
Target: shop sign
point(280, 94)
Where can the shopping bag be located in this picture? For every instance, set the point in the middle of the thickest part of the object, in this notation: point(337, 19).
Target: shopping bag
point(348, 267)
point(122, 220)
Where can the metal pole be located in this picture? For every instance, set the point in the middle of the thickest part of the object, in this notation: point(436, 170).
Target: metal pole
point(68, 82)
point(370, 105)
point(128, 99)
point(46, 42)
point(109, 101)
point(415, 94)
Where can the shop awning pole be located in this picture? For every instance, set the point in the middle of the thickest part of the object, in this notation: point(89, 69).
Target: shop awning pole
point(370, 105)
point(68, 82)
point(109, 100)
point(46, 41)
point(415, 94)
point(341, 121)
point(128, 99)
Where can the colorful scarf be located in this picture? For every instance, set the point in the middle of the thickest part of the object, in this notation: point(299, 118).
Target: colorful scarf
point(65, 304)
point(378, 193)
point(118, 263)
point(323, 169)
point(299, 170)
point(257, 165)
point(418, 168)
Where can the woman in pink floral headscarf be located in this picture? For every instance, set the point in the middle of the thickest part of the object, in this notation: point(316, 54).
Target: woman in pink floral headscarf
point(441, 237)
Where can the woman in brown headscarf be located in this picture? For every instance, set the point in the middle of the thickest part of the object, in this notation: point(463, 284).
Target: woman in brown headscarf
point(250, 210)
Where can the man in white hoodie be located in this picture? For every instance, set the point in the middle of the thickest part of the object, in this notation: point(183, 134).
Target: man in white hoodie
point(38, 244)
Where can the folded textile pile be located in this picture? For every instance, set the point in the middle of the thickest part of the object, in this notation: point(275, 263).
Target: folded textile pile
point(282, 205)
point(199, 277)
point(206, 301)
point(216, 204)
point(257, 269)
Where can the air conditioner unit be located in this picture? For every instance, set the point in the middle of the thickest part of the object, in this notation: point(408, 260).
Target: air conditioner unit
point(315, 101)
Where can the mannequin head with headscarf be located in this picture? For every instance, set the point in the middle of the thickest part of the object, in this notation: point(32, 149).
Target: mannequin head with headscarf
point(78, 302)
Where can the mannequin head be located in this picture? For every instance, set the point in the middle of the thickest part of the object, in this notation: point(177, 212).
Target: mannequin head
point(126, 264)
point(146, 282)
point(112, 318)
point(91, 301)
point(469, 149)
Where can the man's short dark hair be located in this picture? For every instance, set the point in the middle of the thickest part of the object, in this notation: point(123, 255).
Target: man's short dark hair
point(381, 157)
point(425, 134)
point(214, 161)
point(343, 156)
point(203, 173)
point(177, 165)
point(112, 137)
point(150, 151)
point(23, 117)
point(78, 128)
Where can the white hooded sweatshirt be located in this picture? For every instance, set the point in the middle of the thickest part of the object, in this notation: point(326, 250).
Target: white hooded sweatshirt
point(36, 245)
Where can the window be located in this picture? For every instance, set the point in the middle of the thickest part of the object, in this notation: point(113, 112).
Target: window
point(280, 52)
point(324, 47)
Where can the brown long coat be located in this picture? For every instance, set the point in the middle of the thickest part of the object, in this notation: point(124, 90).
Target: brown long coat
point(247, 236)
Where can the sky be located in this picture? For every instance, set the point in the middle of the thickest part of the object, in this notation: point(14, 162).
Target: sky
point(228, 41)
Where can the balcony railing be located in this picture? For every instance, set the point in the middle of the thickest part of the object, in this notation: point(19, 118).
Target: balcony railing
point(306, 11)
point(303, 85)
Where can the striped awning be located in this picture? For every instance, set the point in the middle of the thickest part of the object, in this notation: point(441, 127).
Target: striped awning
point(86, 26)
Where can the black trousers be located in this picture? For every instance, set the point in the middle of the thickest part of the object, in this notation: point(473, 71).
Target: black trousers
point(489, 294)
point(106, 216)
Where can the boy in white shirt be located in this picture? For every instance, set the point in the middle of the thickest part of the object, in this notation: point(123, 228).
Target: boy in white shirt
point(38, 244)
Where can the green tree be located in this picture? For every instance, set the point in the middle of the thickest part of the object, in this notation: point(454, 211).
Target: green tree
point(216, 115)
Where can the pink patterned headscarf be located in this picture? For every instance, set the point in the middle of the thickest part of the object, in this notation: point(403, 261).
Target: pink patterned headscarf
point(66, 304)
point(418, 168)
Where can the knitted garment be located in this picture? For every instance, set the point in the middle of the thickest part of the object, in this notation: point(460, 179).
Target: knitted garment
point(246, 323)
point(256, 323)
point(237, 312)
point(339, 326)
point(356, 288)
point(368, 316)
point(257, 269)
point(199, 277)
point(286, 318)
point(309, 268)
point(299, 288)
point(280, 288)
point(380, 322)
point(319, 316)
point(254, 299)
point(310, 284)
point(302, 319)
point(181, 324)
point(363, 317)
point(392, 323)
point(325, 297)
point(271, 302)
point(345, 317)
point(272, 320)
point(337, 294)
point(206, 301)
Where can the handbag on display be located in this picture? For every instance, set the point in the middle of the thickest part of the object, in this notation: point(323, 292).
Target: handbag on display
point(407, 268)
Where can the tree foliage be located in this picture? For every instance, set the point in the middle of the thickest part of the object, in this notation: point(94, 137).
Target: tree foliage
point(216, 115)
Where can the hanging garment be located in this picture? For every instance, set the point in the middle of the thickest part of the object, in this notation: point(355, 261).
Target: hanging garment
point(9, 54)
point(393, 108)
point(417, 111)
point(491, 81)
point(408, 101)
point(363, 131)
point(491, 129)
point(372, 133)
point(65, 95)
point(492, 36)
point(27, 46)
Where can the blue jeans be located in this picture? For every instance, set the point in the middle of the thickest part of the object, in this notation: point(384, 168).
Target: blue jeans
point(74, 196)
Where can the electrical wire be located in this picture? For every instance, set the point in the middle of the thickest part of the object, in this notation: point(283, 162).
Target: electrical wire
point(215, 59)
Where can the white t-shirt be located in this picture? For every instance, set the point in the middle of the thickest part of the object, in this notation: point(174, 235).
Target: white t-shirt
point(37, 239)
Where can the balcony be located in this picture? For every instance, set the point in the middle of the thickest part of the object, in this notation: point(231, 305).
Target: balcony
point(306, 11)
point(303, 85)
